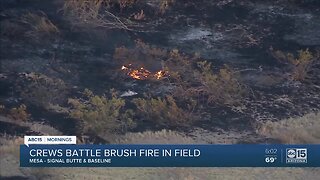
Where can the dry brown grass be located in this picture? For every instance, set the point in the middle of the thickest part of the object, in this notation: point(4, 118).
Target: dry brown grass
point(44, 129)
point(141, 55)
point(126, 3)
point(17, 114)
point(10, 145)
point(157, 137)
point(165, 5)
point(300, 130)
point(37, 127)
point(42, 90)
point(96, 13)
point(39, 24)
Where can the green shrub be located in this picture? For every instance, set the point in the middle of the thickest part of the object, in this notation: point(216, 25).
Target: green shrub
point(220, 88)
point(196, 79)
point(300, 65)
point(180, 66)
point(164, 111)
point(100, 114)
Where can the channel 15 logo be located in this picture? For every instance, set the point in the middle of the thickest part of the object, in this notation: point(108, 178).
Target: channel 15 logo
point(296, 155)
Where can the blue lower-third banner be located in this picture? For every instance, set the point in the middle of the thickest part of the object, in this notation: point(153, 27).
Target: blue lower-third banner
point(169, 155)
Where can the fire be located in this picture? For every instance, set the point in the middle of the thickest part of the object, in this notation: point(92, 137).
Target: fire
point(142, 73)
point(139, 73)
point(160, 74)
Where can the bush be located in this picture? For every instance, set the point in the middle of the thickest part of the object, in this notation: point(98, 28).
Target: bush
point(180, 66)
point(220, 88)
point(42, 90)
point(40, 24)
point(164, 111)
point(299, 66)
point(101, 115)
point(20, 113)
point(196, 79)
point(96, 13)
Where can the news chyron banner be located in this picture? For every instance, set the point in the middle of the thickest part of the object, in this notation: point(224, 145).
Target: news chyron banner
point(62, 151)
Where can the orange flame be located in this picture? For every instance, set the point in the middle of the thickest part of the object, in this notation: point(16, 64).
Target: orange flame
point(160, 74)
point(139, 74)
point(142, 73)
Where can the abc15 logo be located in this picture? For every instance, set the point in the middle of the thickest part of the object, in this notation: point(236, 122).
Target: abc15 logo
point(296, 154)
